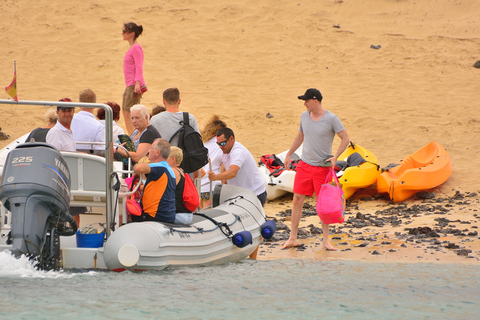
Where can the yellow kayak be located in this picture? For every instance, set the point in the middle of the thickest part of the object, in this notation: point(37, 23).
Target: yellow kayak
point(360, 176)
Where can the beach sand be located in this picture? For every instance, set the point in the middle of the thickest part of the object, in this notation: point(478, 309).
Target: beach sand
point(244, 60)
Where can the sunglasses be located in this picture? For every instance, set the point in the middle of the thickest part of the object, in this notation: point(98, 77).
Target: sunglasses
point(124, 31)
point(223, 143)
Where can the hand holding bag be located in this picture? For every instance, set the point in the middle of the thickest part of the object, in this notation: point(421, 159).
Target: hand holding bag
point(330, 201)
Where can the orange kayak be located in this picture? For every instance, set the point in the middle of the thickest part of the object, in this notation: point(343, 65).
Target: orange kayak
point(423, 170)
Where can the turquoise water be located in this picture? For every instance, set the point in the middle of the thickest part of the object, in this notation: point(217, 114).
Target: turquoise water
point(283, 289)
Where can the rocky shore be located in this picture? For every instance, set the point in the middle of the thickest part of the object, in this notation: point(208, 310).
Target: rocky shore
point(425, 228)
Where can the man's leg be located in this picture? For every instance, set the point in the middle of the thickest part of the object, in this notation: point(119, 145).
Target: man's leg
point(326, 244)
point(298, 200)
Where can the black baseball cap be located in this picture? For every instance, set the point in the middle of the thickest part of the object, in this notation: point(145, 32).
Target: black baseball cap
point(311, 93)
point(65, 107)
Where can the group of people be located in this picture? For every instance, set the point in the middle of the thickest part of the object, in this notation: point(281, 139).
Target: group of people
point(230, 161)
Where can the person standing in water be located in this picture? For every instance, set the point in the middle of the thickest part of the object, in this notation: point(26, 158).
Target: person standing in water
point(133, 72)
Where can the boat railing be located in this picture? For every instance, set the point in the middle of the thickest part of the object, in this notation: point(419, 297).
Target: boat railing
point(108, 172)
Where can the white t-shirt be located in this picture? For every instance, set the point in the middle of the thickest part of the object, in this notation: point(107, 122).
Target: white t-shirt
point(167, 123)
point(248, 176)
point(116, 129)
point(61, 138)
point(87, 128)
point(215, 155)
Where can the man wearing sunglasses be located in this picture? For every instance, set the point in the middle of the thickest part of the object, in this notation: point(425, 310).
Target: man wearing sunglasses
point(240, 166)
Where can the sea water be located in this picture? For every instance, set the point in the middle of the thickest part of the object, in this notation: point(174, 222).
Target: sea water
point(249, 289)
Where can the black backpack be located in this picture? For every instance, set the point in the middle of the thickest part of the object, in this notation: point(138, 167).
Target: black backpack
point(195, 155)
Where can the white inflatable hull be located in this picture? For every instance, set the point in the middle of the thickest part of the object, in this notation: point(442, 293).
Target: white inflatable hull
point(153, 245)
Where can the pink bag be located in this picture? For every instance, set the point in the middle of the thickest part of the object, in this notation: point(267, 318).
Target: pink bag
point(330, 201)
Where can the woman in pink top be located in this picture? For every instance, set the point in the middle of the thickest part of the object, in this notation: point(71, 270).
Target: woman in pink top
point(133, 71)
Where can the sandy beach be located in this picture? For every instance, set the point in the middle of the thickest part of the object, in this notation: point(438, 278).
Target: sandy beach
point(246, 59)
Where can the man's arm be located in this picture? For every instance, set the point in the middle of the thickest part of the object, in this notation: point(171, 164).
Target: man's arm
point(343, 145)
point(142, 168)
point(296, 143)
point(227, 175)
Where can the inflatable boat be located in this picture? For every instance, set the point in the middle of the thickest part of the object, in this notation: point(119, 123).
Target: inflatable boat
point(40, 185)
point(356, 168)
point(423, 170)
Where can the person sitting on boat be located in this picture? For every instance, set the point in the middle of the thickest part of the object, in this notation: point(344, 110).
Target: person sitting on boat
point(240, 166)
point(183, 215)
point(143, 135)
point(61, 137)
point(40, 134)
point(209, 138)
point(117, 130)
point(158, 201)
point(86, 128)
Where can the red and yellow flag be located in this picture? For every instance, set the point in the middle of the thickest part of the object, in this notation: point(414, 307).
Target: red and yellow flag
point(12, 88)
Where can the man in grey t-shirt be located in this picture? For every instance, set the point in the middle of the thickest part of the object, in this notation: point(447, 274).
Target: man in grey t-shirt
point(317, 130)
point(168, 122)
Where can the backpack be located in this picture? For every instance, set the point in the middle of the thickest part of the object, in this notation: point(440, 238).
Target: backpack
point(191, 200)
point(195, 155)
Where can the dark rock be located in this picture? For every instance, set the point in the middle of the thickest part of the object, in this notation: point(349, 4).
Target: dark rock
point(375, 47)
point(462, 252)
point(452, 246)
point(362, 245)
point(315, 230)
point(477, 64)
point(375, 252)
point(392, 250)
point(425, 195)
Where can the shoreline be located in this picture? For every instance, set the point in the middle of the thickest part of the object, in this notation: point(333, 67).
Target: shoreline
point(437, 230)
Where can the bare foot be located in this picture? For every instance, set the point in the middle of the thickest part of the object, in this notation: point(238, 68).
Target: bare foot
point(290, 243)
point(329, 247)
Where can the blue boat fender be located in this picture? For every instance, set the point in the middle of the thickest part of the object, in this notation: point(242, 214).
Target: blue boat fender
point(242, 239)
point(268, 229)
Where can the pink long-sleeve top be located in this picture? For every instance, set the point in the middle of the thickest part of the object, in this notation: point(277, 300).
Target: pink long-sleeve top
point(133, 65)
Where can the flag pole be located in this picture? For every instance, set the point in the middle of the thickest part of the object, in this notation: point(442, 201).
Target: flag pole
point(16, 82)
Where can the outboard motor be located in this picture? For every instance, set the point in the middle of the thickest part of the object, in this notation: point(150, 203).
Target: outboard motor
point(35, 188)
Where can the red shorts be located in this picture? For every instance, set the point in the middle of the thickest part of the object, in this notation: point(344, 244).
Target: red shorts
point(309, 179)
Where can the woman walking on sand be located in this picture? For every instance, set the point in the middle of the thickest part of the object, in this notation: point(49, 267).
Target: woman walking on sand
point(133, 72)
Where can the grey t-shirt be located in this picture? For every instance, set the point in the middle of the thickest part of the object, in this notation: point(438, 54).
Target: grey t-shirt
point(167, 123)
point(318, 137)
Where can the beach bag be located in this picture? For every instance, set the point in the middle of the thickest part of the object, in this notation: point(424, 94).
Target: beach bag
point(191, 200)
point(330, 201)
point(133, 207)
point(195, 154)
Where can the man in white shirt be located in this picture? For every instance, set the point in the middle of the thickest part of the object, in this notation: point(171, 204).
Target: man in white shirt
point(61, 135)
point(240, 166)
point(85, 126)
point(168, 122)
